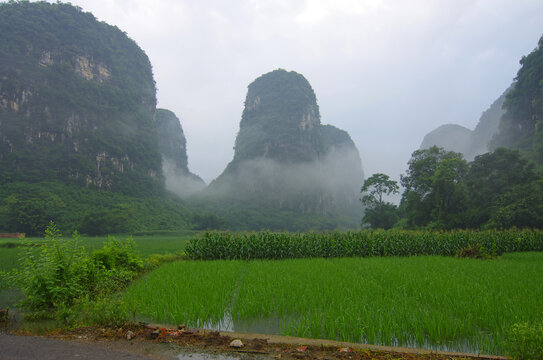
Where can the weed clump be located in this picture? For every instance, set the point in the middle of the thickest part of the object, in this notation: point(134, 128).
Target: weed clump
point(476, 251)
point(525, 341)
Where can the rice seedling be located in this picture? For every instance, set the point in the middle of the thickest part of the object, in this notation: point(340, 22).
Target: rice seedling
point(423, 301)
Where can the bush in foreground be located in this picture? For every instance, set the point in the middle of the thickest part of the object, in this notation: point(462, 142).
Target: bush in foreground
point(58, 273)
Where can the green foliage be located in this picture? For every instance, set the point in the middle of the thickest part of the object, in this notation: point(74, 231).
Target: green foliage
point(378, 213)
point(59, 273)
point(207, 222)
point(434, 191)
point(381, 216)
point(492, 178)
point(499, 189)
point(110, 311)
point(118, 254)
point(376, 186)
point(525, 341)
point(269, 245)
point(95, 212)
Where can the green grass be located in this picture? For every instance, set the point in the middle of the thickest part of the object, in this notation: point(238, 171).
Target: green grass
point(427, 301)
point(146, 244)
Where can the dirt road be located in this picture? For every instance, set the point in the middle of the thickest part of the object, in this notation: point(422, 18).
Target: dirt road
point(14, 347)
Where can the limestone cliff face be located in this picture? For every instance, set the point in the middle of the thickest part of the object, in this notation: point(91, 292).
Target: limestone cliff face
point(281, 120)
point(286, 160)
point(77, 101)
point(173, 148)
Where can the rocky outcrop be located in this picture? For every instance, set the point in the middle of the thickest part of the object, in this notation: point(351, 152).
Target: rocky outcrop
point(281, 120)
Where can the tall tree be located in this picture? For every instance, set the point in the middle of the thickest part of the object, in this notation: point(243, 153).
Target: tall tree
point(379, 213)
point(491, 177)
point(434, 193)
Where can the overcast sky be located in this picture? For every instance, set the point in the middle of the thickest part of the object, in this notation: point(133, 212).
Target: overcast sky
point(386, 71)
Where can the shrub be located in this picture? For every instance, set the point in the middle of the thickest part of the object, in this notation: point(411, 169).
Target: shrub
point(118, 254)
point(59, 273)
point(56, 273)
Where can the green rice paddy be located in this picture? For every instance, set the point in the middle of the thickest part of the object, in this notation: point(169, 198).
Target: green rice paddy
point(424, 301)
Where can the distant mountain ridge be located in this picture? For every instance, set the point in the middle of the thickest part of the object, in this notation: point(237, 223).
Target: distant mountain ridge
point(173, 148)
point(470, 143)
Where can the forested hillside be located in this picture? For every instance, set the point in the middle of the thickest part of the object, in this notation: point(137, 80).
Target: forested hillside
point(521, 126)
point(78, 140)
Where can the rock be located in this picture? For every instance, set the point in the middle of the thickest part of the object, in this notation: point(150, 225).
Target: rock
point(155, 333)
point(130, 335)
point(236, 343)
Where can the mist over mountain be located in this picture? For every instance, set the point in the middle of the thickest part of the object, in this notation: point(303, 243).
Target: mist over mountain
point(173, 148)
point(286, 162)
point(470, 143)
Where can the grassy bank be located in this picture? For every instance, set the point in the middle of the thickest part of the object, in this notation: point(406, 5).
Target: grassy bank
point(427, 301)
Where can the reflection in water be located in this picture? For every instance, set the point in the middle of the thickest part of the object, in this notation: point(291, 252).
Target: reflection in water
point(269, 325)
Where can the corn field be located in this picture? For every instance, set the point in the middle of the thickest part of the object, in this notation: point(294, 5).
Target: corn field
point(283, 245)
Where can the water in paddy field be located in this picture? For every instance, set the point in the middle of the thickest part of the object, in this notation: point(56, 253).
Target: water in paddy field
point(8, 300)
point(270, 325)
